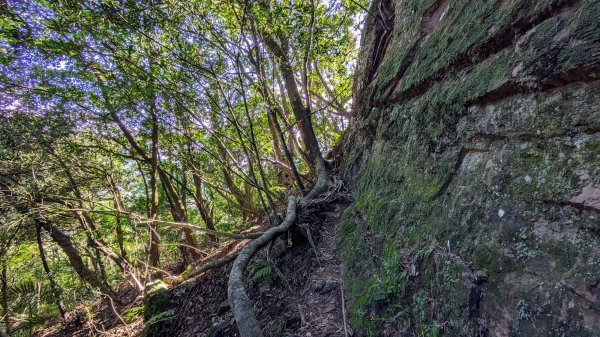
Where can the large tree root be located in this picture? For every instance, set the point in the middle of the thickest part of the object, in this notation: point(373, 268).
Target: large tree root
point(239, 301)
point(322, 182)
point(236, 293)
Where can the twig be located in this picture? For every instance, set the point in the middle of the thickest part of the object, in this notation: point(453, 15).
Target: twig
point(200, 229)
point(343, 309)
point(216, 263)
point(312, 243)
point(289, 287)
point(112, 306)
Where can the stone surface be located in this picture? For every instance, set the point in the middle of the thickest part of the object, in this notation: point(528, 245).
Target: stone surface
point(474, 160)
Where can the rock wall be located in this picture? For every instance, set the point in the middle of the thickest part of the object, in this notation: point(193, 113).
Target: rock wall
point(474, 160)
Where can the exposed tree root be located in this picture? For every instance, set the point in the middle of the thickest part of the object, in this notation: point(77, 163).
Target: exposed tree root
point(236, 293)
point(239, 301)
point(322, 182)
point(215, 261)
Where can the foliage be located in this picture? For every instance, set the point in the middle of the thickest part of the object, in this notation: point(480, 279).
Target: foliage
point(163, 316)
point(113, 114)
point(133, 313)
point(260, 269)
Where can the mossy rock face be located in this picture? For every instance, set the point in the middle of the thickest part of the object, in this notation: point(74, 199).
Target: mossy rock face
point(474, 159)
point(156, 299)
point(158, 307)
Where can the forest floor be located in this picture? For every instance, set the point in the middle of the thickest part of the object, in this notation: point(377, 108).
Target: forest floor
point(298, 293)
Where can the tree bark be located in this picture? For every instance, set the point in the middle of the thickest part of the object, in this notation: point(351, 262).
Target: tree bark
point(203, 207)
point(99, 245)
point(301, 113)
point(153, 252)
point(48, 272)
point(279, 142)
point(293, 141)
point(236, 293)
point(63, 241)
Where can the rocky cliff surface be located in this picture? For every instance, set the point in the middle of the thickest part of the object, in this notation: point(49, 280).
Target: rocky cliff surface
point(474, 160)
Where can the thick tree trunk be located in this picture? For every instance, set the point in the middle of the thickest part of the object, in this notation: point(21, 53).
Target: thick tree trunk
point(301, 113)
point(64, 242)
point(276, 141)
point(48, 272)
point(293, 141)
point(279, 143)
point(153, 250)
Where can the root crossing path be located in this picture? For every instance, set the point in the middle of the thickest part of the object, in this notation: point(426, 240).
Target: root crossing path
point(303, 297)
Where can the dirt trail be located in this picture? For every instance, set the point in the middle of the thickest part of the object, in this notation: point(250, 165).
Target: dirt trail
point(313, 288)
point(321, 297)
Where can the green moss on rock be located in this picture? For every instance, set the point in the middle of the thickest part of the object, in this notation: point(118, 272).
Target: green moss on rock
point(158, 307)
point(467, 171)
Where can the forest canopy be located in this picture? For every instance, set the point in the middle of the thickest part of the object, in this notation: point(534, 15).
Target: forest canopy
point(135, 135)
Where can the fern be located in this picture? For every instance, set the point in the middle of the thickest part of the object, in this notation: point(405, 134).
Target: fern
point(133, 314)
point(30, 323)
point(260, 269)
point(163, 316)
point(22, 295)
point(20, 290)
point(261, 273)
